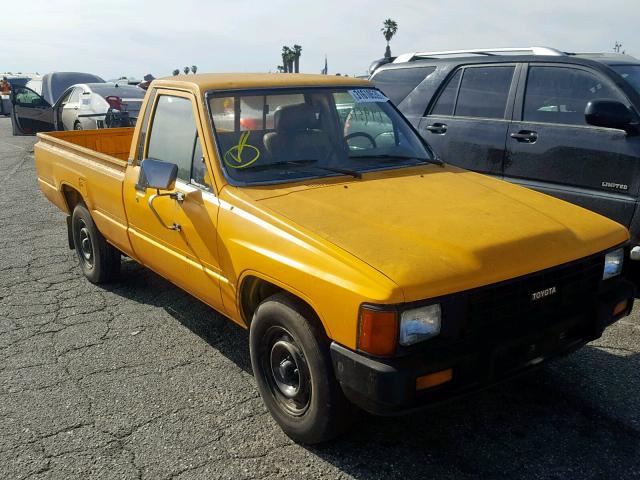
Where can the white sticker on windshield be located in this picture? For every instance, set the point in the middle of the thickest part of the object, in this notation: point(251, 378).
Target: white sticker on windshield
point(368, 95)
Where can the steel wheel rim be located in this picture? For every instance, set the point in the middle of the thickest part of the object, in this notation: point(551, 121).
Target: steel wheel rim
point(85, 244)
point(286, 371)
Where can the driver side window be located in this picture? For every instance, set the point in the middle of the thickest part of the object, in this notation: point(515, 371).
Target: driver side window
point(28, 98)
point(174, 139)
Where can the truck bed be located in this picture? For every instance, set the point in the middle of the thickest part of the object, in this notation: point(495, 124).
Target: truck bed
point(92, 163)
point(113, 142)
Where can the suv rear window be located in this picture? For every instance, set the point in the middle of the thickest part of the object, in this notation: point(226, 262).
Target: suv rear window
point(397, 83)
point(484, 91)
point(447, 99)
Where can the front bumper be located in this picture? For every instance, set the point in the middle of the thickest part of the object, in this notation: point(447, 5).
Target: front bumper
point(388, 386)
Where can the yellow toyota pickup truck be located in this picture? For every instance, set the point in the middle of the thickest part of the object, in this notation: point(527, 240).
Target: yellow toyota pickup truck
point(308, 210)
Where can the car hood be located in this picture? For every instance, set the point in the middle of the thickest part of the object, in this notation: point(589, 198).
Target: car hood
point(435, 230)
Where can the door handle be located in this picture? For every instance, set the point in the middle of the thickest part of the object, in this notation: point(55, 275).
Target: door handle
point(438, 128)
point(525, 136)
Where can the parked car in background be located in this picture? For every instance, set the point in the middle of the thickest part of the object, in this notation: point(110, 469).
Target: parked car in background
point(562, 123)
point(7, 81)
point(33, 105)
point(125, 81)
point(97, 105)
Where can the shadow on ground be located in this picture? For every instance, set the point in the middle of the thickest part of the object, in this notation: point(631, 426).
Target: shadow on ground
point(567, 420)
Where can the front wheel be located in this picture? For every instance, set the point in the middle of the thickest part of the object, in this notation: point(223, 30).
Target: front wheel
point(294, 373)
point(99, 261)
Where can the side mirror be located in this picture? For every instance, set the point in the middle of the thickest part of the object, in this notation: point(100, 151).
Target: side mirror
point(157, 174)
point(160, 176)
point(608, 114)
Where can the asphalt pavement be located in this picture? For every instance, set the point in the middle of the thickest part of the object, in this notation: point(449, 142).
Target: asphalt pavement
point(140, 380)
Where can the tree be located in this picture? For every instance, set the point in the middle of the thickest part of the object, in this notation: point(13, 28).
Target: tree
point(186, 70)
point(194, 69)
point(286, 52)
point(280, 69)
point(297, 52)
point(291, 56)
point(176, 72)
point(389, 29)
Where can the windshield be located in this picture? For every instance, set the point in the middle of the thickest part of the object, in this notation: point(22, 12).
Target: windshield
point(631, 73)
point(122, 91)
point(273, 136)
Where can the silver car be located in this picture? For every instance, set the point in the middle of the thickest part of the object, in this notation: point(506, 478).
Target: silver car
point(89, 106)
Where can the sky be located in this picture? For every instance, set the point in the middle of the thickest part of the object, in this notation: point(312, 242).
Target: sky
point(114, 38)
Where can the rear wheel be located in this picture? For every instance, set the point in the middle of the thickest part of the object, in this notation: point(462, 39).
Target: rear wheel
point(99, 261)
point(294, 373)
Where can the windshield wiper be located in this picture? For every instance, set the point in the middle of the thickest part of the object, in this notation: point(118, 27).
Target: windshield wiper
point(295, 163)
point(353, 173)
point(435, 161)
point(267, 166)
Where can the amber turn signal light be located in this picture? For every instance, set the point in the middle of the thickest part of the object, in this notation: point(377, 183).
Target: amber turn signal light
point(378, 332)
point(434, 379)
point(620, 307)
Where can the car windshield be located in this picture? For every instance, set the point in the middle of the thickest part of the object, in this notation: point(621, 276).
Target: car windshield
point(286, 135)
point(631, 73)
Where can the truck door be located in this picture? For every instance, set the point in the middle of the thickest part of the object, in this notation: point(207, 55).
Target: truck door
point(30, 112)
point(467, 124)
point(552, 149)
point(188, 257)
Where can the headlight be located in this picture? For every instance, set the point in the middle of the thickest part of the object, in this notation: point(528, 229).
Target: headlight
point(419, 324)
point(613, 263)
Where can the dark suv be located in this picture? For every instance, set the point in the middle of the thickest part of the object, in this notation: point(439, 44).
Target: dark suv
point(562, 123)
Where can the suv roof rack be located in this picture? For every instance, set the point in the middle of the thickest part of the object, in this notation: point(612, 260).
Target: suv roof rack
point(407, 57)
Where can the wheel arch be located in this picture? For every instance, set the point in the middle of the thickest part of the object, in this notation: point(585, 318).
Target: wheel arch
point(72, 197)
point(255, 288)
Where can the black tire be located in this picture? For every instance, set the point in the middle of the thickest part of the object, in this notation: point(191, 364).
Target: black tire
point(285, 332)
point(99, 261)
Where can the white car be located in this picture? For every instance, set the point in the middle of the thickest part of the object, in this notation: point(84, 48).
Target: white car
point(89, 106)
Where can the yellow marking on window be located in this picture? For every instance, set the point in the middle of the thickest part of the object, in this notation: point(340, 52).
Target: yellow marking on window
point(234, 158)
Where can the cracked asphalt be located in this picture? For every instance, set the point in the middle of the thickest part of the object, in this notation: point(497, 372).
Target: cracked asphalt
point(139, 380)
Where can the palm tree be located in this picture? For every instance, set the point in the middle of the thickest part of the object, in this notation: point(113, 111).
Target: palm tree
point(194, 69)
point(286, 51)
point(388, 29)
point(297, 52)
point(176, 72)
point(186, 70)
point(291, 56)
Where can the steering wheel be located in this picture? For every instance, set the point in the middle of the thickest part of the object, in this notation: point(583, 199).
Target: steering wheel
point(361, 134)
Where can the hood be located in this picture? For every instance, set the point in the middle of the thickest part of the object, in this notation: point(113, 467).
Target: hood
point(435, 231)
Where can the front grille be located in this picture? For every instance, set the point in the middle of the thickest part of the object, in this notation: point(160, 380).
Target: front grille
point(508, 307)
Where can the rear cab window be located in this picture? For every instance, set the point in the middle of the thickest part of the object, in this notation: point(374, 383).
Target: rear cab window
point(397, 83)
